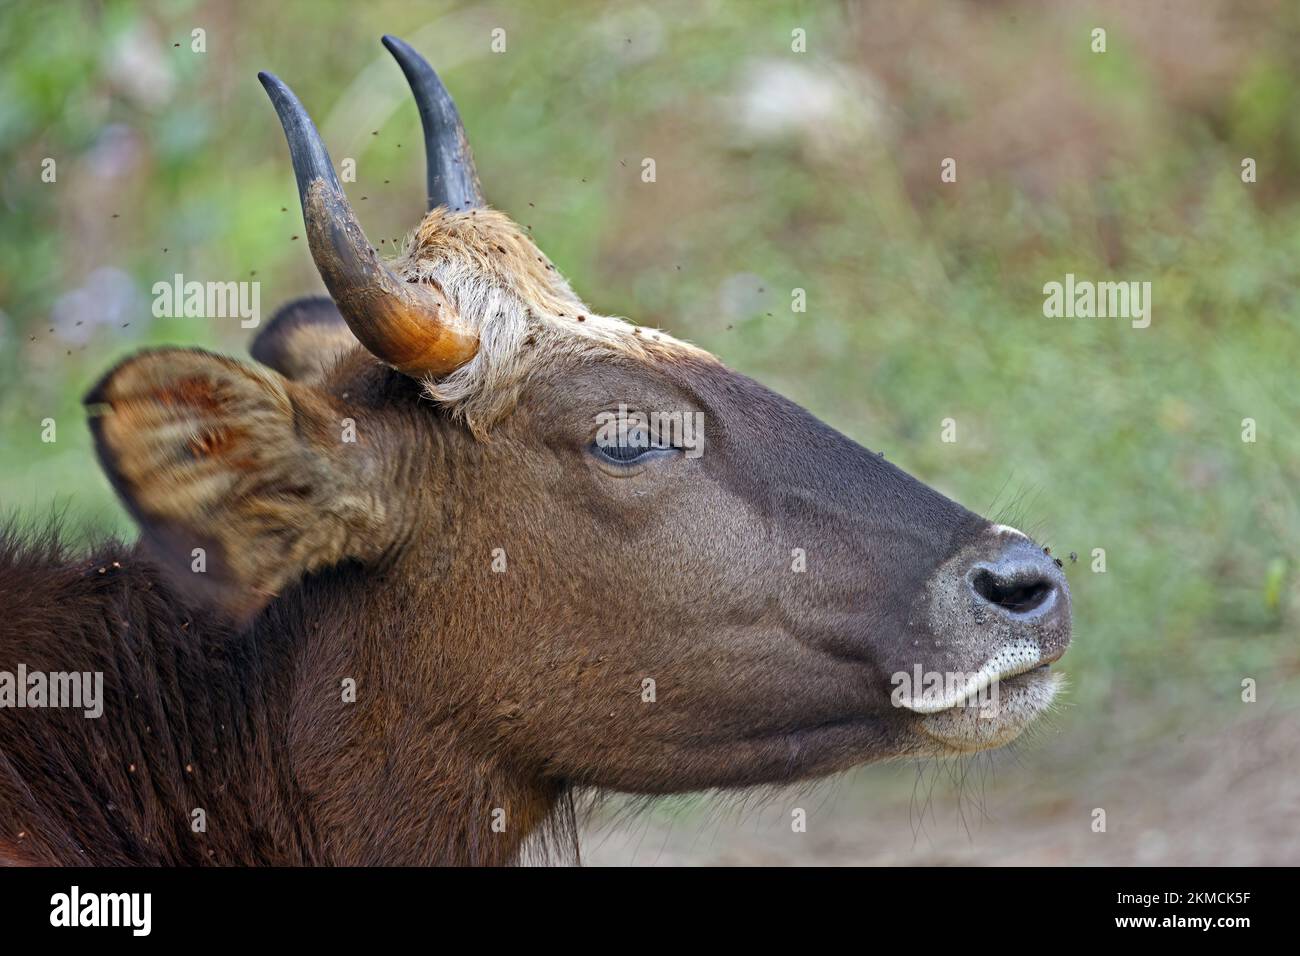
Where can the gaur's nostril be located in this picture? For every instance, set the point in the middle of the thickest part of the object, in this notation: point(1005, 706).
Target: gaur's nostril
point(1022, 582)
point(1017, 596)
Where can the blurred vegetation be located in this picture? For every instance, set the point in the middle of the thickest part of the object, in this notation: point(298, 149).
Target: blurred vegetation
point(775, 170)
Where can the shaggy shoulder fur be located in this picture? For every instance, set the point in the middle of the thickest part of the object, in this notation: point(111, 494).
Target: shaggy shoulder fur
point(122, 788)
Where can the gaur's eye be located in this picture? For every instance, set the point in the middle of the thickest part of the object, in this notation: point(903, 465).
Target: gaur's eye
point(622, 453)
point(634, 446)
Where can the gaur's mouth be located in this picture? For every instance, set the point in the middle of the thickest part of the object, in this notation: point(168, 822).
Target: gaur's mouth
point(972, 695)
point(934, 692)
point(987, 720)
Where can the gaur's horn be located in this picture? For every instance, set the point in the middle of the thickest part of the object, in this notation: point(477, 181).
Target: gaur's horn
point(450, 177)
point(411, 326)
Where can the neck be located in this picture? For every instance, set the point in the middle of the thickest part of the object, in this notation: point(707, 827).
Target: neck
point(376, 744)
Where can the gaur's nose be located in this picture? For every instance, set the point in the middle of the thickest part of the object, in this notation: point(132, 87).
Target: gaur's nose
point(1022, 585)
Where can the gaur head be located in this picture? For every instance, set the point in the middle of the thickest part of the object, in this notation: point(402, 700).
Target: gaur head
point(627, 565)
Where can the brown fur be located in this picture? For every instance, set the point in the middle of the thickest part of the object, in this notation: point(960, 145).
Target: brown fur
point(246, 725)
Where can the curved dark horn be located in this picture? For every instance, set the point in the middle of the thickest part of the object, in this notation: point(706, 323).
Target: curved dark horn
point(410, 326)
point(450, 177)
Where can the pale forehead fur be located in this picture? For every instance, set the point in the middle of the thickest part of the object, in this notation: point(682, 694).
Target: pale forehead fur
point(526, 315)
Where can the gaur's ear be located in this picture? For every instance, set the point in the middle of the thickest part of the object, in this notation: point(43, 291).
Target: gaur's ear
point(241, 480)
point(304, 339)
